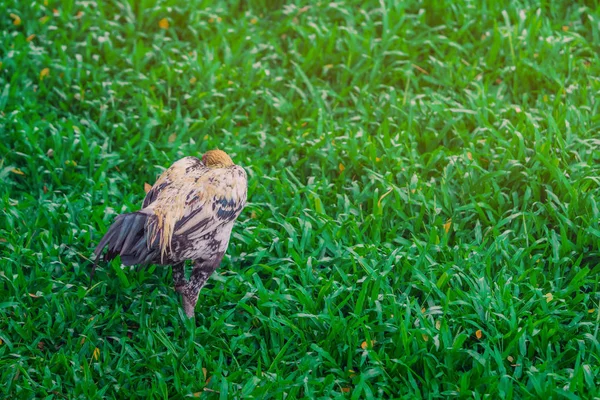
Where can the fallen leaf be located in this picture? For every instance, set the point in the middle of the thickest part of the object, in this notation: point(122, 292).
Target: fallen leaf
point(79, 14)
point(55, 12)
point(193, 80)
point(16, 19)
point(565, 28)
point(1, 342)
point(364, 344)
point(96, 353)
point(438, 324)
point(205, 373)
point(548, 297)
point(341, 167)
point(44, 19)
point(478, 334)
point(346, 390)
point(50, 153)
point(377, 159)
point(351, 373)
point(447, 225)
point(510, 358)
point(197, 394)
point(17, 171)
point(45, 188)
point(33, 295)
point(40, 345)
point(163, 23)
point(253, 214)
point(147, 187)
point(469, 156)
point(425, 337)
point(591, 310)
point(44, 73)
point(172, 138)
point(253, 21)
point(423, 310)
point(30, 37)
point(82, 341)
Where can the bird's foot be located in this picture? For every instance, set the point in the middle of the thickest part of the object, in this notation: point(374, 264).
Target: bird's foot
point(188, 305)
point(189, 300)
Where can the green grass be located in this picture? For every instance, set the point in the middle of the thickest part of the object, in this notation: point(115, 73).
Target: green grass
point(424, 178)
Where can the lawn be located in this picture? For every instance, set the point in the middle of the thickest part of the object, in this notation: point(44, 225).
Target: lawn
point(424, 197)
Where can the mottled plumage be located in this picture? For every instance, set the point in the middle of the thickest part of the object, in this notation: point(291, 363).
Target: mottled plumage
point(187, 215)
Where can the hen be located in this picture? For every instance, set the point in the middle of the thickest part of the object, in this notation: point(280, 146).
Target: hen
point(187, 215)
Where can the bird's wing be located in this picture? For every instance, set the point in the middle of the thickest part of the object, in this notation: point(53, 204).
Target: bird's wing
point(196, 202)
point(179, 169)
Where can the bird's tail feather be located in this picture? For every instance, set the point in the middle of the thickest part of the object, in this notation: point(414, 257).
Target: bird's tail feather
point(125, 237)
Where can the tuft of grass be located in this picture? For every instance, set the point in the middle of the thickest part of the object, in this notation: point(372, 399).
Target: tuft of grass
point(423, 184)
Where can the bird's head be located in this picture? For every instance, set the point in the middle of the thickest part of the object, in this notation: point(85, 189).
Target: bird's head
point(216, 159)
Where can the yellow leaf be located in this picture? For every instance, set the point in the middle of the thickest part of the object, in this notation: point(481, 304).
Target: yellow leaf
point(426, 337)
point(447, 225)
point(478, 334)
point(44, 19)
point(510, 358)
point(548, 297)
point(438, 324)
point(206, 137)
point(33, 295)
point(364, 345)
point(30, 37)
point(341, 167)
point(96, 353)
point(82, 341)
point(172, 138)
point(147, 187)
point(253, 21)
point(253, 214)
point(44, 73)
point(423, 310)
point(204, 372)
point(591, 310)
point(377, 159)
point(197, 394)
point(351, 373)
point(193, 80)
point(16, 19)
point(17, 171)
point(1, 342)
point(163, 23)
point(469, 156)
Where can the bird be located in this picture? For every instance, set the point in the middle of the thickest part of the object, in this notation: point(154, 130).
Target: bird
point(188, 214)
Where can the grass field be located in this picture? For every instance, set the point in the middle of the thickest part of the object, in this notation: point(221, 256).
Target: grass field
point(424, 195)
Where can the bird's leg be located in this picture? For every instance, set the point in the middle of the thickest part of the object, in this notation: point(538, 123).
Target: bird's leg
point(179, 276)
point(203, 269)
